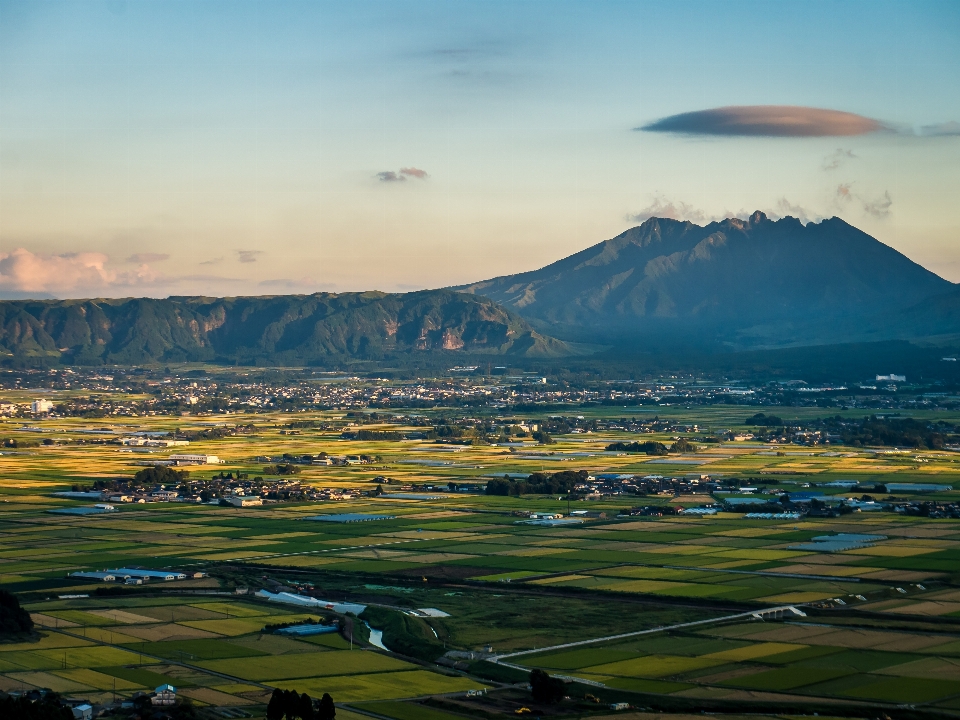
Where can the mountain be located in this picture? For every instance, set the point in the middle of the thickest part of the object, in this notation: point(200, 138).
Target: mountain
point(741, 283)
point(286, 329)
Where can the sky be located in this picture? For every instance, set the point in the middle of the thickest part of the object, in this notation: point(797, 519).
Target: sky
point(209, 147)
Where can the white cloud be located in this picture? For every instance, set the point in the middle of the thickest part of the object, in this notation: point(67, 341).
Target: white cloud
point(673, 210)
point(22, 271)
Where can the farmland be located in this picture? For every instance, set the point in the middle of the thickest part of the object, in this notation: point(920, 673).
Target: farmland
point(875, 622)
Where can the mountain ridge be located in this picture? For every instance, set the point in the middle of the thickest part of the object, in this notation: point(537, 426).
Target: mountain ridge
point(298, 329)
point(734, 280)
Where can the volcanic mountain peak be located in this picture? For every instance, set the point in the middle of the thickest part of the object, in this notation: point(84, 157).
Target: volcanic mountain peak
point(723, 278)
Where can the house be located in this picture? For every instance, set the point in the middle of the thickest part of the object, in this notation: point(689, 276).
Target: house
point(83, 712)
point(165, 695)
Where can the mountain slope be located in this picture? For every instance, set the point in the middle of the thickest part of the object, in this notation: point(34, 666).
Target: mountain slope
point(752, 281)
point(286, 328)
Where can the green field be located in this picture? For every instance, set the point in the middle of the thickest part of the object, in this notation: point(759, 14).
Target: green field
point(881, 622)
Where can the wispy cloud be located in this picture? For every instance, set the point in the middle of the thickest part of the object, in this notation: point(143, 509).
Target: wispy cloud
point(679, 210)
point(402, 175)
point(766, 121)
point(213, 261)
point(943, 129)
point(878, 207)
point(671, 209)
point(248, 256)
point(837, 158)
point(147, 257)
point(785, 208)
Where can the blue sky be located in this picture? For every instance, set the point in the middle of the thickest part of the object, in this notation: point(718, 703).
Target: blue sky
point(154, 148)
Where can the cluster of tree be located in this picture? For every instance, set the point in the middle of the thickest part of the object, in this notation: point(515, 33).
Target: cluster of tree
point(546, 689)
point(764, 420)
point(384, 435)
point(542, 437)
point(538, 483)
point(14, 620)
point(25, 707)
point(291, 705)
point(892, 432)
point(160, 475)
point(15, 443)
point(281, 469)
point(650, 447)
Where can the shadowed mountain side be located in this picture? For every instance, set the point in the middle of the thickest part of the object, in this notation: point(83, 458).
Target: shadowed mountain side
point(291, 329)
point(746, 282)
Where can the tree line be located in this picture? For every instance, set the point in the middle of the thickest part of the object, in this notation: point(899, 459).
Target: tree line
point(291, 705)
point(538, 483)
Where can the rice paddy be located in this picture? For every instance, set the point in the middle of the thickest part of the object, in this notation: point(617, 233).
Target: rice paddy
point(881, 623)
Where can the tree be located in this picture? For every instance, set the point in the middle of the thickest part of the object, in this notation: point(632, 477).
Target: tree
point(683, 445)
point(546, 689)
point(276, 707)
point(498, 486)
point(542, 437)
point(304, 707)
point(13, 618)
point(326, 710)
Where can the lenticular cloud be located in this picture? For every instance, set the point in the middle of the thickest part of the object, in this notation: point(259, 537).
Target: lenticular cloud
point(766, 121)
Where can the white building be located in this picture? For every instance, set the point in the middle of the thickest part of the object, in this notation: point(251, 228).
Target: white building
point(190, 459)
point(41, 406)
point(244, 501)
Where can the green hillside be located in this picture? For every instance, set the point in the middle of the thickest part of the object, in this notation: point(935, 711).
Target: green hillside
point(286, 329)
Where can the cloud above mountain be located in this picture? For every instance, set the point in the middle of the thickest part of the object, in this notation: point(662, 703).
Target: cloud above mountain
point(766, 121)
point(22, 271)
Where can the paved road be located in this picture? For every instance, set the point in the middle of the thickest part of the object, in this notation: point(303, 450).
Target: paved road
point(750, 613)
